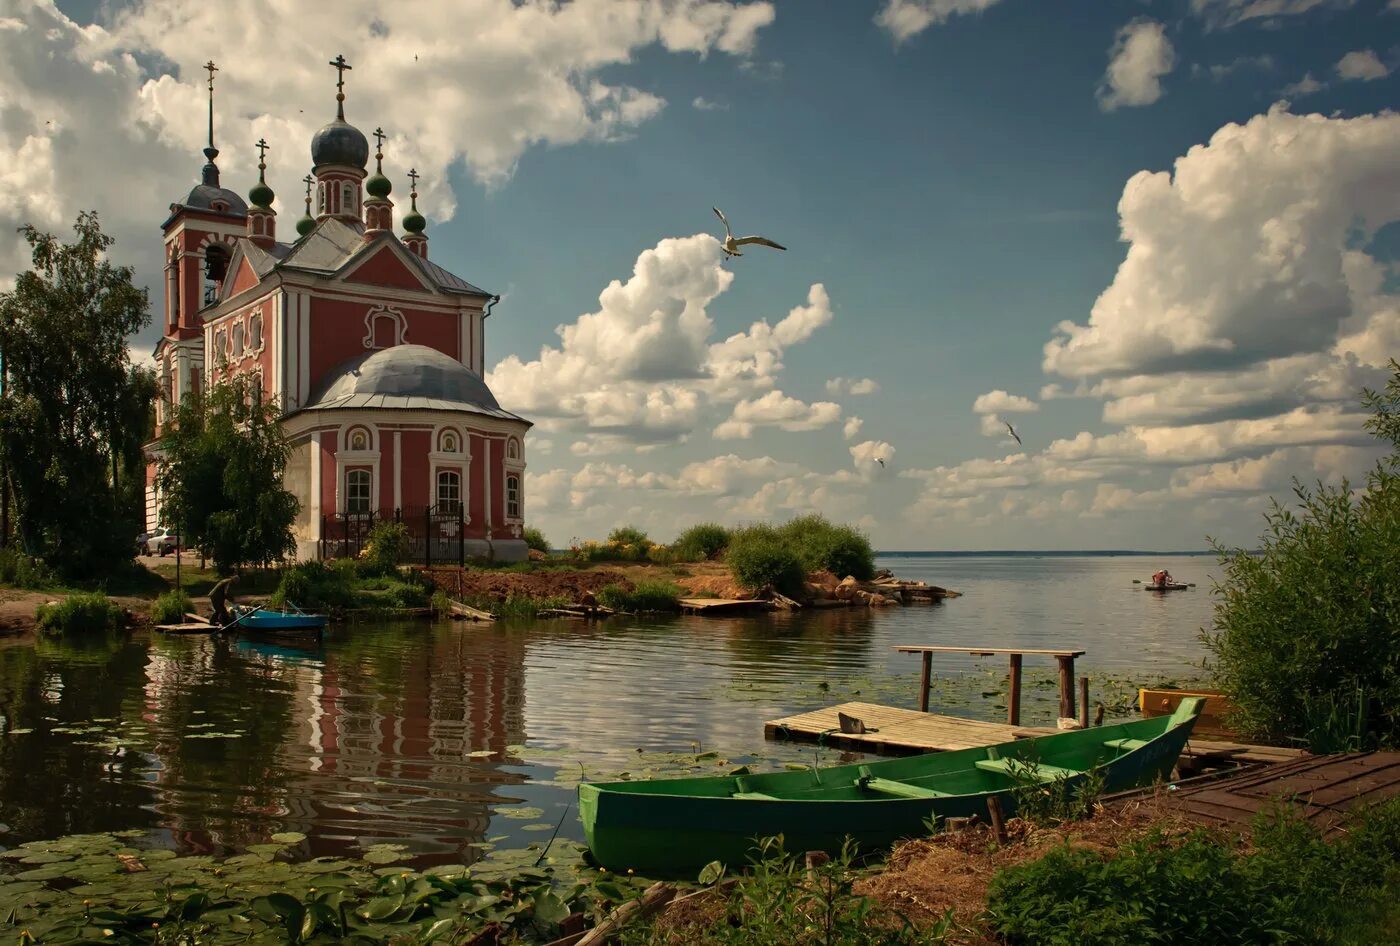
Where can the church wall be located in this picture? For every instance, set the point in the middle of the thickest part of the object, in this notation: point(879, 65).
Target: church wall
point(297, 480)
point(329, 481)
point(496, 457)
point(415, 447)
point(338, 332)
point(477, 507)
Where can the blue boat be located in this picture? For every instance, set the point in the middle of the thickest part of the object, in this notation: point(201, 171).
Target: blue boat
point(288, 620)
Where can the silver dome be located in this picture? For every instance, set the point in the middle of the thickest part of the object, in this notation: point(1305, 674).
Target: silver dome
point(413, 377)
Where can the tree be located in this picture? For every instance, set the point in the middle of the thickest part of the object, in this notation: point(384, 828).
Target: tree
point(1307, 629)
point(74, 410)
point(221, 468)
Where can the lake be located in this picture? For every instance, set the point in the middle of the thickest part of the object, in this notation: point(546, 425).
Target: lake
point(451, 738)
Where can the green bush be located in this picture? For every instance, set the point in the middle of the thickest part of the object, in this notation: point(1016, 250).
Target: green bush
point(1290, 887)
point(18, 570)
point(758, 557)
point(171, 607)
point(316, 586)
point(535, 540)
point(841, 550)
point(89, 613)
point(384, 549)
point(644, 596)
point(701, 542)
point(1306, 635)
point(624, 544)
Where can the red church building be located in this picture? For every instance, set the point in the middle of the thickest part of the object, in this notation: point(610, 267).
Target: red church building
point(372, 352)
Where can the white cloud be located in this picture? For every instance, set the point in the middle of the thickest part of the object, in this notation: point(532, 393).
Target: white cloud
point(904, 19)
point(873, 458)
point(1141, 54)
point(851, 430)
point(854, 386)
point(1232, 12)
point(1218, 72)
point(1363, 65)
point(999, 401)
point(702, 104)
point(86, 105)
point(1304, 86)
point(776, 409)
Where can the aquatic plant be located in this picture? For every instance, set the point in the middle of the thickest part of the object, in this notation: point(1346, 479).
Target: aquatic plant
point(171, 607)
point(83, 613)
point(99, 887)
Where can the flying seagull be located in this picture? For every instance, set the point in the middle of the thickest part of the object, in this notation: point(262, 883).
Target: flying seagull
point(1012, 431)
point(880, 460)
point(731, 245)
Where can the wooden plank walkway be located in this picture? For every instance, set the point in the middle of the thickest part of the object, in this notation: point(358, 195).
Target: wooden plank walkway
point(907, 732)
point(893, 731)
point(1325, 788)
point(725, 604)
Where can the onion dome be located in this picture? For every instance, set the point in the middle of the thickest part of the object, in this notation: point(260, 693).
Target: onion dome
point(413, 221)
point(340, 143)
point(307, 223)
point(261, 195)
point(378, 185)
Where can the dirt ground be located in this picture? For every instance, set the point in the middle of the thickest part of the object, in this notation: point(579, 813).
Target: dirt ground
point(705, 579)
point(17, 608)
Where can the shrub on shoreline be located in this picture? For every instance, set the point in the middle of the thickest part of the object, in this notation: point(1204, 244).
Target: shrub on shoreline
point(701, 542)
point(18, 570)
point(171, 607)
point(535, 540)
point(759, 557)
point(87, 613)
point(384, 549)
point(645, 596)
point(841, 550)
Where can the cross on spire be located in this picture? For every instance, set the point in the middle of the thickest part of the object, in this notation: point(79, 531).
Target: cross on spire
point(379, 137)
point(308, 180)
point(413, 182)
point(340, 67)
point(211, 68)
point(262, 147)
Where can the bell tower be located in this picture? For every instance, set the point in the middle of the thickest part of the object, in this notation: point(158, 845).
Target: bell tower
point(339, 153)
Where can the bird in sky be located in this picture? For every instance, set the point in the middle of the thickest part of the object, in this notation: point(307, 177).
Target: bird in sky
point(1012, 430)
point(880, 460)
point(731, 244)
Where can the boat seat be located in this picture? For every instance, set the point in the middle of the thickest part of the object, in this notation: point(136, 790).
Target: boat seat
point(1129, 744)
point(896, 789)
point(1044, 772)
point(742, 785)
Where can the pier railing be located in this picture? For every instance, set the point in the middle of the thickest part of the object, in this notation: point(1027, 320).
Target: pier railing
point(1065, 659)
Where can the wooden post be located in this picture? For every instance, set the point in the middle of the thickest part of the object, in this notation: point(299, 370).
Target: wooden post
point(925, 679)
point(1066, 663)
point(1084, 702)
point(998, 818)
point(1013, 699)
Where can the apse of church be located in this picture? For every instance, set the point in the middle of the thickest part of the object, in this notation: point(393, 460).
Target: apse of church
point(371, 350)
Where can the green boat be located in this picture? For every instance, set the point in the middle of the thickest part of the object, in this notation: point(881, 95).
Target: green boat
point(674, 827)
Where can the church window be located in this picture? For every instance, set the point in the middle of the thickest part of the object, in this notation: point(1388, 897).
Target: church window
point(513, 496)
point(347, 198)
point(255, 330)
point(512, 449)
point(321, 198)
point(236, 341)
point(215, 266)
point(220, 347)
point(172, 294)
point(357, 492)
point(449, 491)
point(255, 391)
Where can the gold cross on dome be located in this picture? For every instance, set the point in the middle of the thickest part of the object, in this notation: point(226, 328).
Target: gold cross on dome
point(262, 147)
point(212, 69)
point(340, 66)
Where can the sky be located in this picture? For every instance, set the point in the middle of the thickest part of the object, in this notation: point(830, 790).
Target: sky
point(1158, 237)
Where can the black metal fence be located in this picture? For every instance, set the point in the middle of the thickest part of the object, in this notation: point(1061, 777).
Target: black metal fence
point(436, 534)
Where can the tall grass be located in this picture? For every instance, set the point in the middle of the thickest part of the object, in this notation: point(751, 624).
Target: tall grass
point(85, 613)
point(645, 596)
point(171, 607)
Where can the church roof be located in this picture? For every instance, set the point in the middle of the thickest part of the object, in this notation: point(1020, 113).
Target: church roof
point(334, 243)
point(407, 377)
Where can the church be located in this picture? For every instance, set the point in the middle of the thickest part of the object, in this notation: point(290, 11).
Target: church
point(372, 353)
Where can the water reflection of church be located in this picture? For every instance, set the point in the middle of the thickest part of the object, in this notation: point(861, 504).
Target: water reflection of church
point(369, 742)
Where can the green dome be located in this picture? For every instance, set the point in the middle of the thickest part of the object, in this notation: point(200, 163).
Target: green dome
point(414, 222)
point(305, 225)
point(378, 185)
point(261, 195)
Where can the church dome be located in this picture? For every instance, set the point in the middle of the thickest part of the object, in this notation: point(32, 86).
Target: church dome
point(413, 377)
point(378, 186)
point(340, 143)
point(211, 197)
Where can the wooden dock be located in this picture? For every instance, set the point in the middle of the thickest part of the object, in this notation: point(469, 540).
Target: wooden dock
point(715, 605)
point(201, 627)
point(894, 731)
point(1324, 788)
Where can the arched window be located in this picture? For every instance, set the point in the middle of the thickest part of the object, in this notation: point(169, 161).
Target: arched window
point(513, 496)
point(357, 483)
point(255, 339)
point(512, 449)
point(220, 347)
point(235, 345)
point(321, 198)
point(347, 198)
point(172, 293)
point(215, 266)
point(449, 491)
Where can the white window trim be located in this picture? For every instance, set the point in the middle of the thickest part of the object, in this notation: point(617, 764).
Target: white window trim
point(437, 492)
point(459, 463)
point(343, 474)
point(389, 312)
point(519, 498)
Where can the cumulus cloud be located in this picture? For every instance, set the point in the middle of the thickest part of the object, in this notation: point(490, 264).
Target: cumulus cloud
point(855, 386)
point(904, 19)
point(702, 104)
point(776, 409)
point(1363, 65)
point(852, 427)
point(86, 104)
point(1304, 86)
point(873, 458)
point(642, 369)
point(1141, 54)
point(999, 401)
